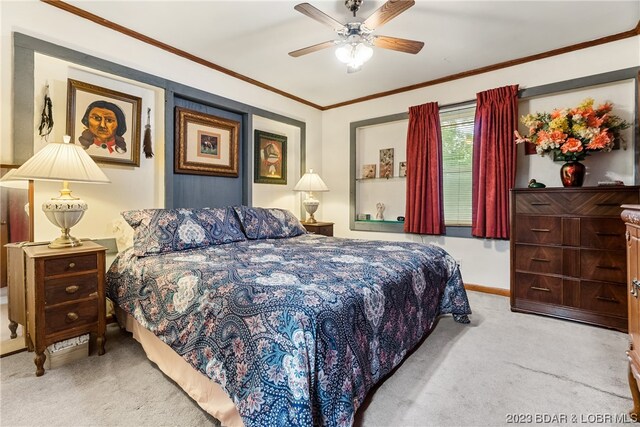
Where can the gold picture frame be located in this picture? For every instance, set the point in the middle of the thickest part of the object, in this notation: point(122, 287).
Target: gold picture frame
point(205, 144)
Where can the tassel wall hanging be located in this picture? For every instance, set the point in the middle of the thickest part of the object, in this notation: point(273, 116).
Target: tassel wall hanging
point(46, 117)
point(148, 151)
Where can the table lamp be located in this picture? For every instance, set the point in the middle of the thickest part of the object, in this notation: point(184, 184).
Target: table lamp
point(311, 182)
point(67, 163)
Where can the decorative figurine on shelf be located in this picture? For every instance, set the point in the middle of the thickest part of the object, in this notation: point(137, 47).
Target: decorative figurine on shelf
point(380, 211)
point(534, 184)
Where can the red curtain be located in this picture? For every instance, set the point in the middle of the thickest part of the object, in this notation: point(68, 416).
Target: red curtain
point(424, 206)
point(494, 161)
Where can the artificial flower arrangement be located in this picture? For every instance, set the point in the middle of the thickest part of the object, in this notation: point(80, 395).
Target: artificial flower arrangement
point(572, 134)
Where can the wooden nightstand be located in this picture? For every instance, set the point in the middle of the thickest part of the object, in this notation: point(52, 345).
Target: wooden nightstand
point(65, 296)
point(324, 228)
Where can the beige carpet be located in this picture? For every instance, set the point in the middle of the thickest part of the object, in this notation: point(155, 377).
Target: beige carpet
point(478, 374)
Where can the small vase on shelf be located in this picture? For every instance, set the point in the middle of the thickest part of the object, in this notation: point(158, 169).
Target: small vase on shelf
point(572, 174)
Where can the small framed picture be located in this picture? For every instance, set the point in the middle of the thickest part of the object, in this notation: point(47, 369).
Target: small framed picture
point(368, 171)
point(205, 144)
point(386, 163)
point(105, 122)
point(270, 158)
point(402, 169)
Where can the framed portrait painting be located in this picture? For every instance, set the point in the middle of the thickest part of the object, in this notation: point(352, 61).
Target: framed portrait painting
point(205, 144)
point(270, 158)
point(105, 122)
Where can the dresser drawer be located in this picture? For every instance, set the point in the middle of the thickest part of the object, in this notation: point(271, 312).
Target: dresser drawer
point(72, 315)
point(605, 298)
point(608, 266)
point(602, 233)
point(538, 259)
point(535, 203)
point(534, 287)
point(539, 229)
point(70, 264)
point(602, 203)
point(65, 289)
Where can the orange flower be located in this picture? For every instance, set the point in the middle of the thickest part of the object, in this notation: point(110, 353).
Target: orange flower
point(572, 145)
point(605, 108)
point(557, 136)
point(600, 141)
point(556, 113)
point(594, 121)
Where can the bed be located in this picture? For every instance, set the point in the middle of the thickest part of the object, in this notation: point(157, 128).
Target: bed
point(294, 328)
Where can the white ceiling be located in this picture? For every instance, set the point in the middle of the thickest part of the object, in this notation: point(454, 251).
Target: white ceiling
point(253, 38)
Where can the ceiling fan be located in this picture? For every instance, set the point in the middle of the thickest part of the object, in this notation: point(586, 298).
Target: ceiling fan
point(356, 38)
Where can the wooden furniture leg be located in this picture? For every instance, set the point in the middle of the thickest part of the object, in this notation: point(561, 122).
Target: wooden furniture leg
point(39, 360)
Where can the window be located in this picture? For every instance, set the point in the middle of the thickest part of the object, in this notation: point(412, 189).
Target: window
point(457, 163)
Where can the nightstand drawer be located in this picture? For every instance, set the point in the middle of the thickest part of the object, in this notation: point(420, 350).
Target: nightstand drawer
point(72, 315)
point(65, 289)
point(70, 264)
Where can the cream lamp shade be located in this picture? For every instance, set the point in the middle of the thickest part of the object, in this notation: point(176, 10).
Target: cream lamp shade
point(67, 163)
point(311, 182)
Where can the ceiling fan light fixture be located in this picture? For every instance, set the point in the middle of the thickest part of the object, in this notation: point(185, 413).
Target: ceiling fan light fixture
point(354, 54)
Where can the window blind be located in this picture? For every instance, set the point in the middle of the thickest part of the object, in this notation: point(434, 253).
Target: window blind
point(457, 162)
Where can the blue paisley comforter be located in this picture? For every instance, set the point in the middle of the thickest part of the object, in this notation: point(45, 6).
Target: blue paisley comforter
point(295, 330)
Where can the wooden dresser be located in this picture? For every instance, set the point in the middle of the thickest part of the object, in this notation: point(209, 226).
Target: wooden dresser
point(631, 216)
point(64, 295)
point(568, 253)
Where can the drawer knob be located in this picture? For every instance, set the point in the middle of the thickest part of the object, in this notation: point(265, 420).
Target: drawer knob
point(607, 299)
point(540, 230)
point(72, 316)
point(72, 289)
point(536, 288)
point(540, 259)
point(72, 264)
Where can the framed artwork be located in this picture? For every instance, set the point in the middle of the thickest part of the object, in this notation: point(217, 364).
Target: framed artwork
point(402, 169)
point(368, 171)
point(386, 163)
point(105, 122)
point(270, 158)
point(205, 144)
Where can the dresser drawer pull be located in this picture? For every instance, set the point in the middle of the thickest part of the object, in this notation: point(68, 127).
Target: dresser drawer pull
point(540, 259)
point(540, 204)
point(606, 299)
point(72, 265)
point(93, 294)
point(541, 230)
point(72, 316)
point(72, 289)
point(535, 288)
point(608, 267)
point(603, 233)
point(608, 204)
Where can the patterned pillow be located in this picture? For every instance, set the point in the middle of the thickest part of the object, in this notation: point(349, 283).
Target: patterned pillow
point(268, 223)
point(165, 230)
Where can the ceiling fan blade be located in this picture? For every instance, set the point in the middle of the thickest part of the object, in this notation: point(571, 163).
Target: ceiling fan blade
point(401, 45)
point(311, 49)
point(387, 12)
point(315, 13)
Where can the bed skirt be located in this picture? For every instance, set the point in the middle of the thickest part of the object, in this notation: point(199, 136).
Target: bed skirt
point(208, 394)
